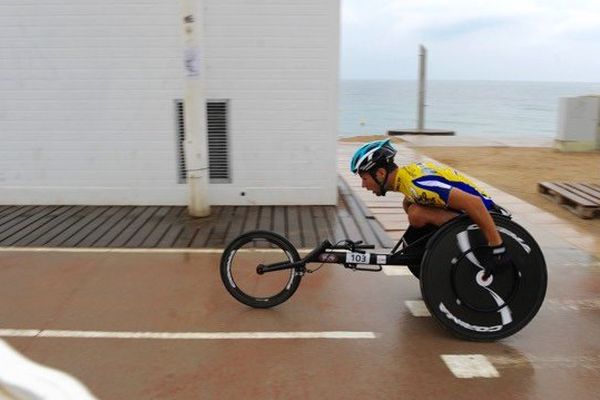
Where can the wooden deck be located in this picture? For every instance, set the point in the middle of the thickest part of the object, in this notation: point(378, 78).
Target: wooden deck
point(172, 227)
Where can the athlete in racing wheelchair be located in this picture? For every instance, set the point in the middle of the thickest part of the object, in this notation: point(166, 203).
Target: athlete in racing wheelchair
point(482, 275)
point(433, 195)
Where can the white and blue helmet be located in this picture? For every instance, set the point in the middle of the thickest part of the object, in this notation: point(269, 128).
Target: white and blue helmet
point(373, 154)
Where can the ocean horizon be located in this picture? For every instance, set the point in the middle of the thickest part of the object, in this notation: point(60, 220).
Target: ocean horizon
point(478, 108)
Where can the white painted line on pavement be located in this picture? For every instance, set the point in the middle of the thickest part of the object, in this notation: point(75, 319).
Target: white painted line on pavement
point(574, 305)
point(470, 366)
point(581, 264)
point(417, 308)
point(185, 335)
point(132, 250)
point(395, 270)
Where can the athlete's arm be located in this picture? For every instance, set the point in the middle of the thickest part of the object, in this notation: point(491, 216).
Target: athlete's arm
point(473, 206)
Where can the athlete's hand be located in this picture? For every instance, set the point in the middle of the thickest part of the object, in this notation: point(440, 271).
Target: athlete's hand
point(497, 261)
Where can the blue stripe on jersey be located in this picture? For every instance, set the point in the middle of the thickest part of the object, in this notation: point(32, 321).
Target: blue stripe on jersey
point(441, 186)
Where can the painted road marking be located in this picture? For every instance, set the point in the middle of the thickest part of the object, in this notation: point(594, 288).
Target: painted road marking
point(135, 250)
point(395, 270)
point(25, 379)
point(417, 308)
point(575, 305)
point(470, 366)
point(185, 335)
point(580, 264)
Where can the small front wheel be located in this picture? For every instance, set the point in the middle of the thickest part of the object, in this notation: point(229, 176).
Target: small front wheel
point(240, 269)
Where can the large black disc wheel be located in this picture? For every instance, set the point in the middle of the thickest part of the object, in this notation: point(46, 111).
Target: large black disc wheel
point(240, 275)
point(474, 308)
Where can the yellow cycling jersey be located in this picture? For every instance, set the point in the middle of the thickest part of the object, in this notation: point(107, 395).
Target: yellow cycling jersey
point(429, 184)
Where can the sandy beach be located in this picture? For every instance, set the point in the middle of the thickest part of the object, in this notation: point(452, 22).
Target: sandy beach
point(517, 171)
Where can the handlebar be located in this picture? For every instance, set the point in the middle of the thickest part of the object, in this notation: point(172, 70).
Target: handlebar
point(350, 245)
point(365, 246)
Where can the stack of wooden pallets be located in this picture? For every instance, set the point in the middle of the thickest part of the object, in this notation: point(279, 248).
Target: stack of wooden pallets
point(583, 199)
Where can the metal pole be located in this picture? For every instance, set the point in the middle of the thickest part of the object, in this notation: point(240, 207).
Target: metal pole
point(422, 70)
point(196, 151)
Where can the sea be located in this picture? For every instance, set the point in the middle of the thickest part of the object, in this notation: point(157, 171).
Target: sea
point(486, 109)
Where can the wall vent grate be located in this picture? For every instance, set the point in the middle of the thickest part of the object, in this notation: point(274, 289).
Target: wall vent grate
point(180, 141)
point(217, 137)
point(218, 141)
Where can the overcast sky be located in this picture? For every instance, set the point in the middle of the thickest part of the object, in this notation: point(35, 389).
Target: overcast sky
point(550, 40)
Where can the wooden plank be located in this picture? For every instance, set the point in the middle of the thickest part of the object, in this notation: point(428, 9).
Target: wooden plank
point(181, 232)
point(103, 225)
point(149, 226)
point(348, 192)
point(573, 189)
point(83, 226)
point(251, 222)
point(373, 232)
point(321, 226)
point(339, 227)
point(585, 212)
point(294, 233)
point(265, 218)
point(352, 231)
point(279, 220)
point(334, 222)
point(8, 210)
point(590, 191)
point(187, 234)
point(384, 238)
point(562, 194)
point(343, 187)
point(237, 223)
point(171, 235)
point(134, 226)
point(309, 234)
point(28, 222)
point(12, 219)
point(37, 224)
point(108, 238)
point(204, 235)
point(220, 226)
point(370, 227)
point(192, 227)
point(162, 227)
point(391, 210)
point(53, 228)
point(592, 186)
point(366, 233)
point(573, 202)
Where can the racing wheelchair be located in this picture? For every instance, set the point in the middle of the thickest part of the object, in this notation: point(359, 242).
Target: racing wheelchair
point(263, 269)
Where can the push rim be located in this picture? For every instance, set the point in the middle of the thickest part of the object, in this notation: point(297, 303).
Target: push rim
point(469, 293)
point(501, 314)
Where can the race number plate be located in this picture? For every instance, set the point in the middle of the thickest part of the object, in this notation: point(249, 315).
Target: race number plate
point(358, 258)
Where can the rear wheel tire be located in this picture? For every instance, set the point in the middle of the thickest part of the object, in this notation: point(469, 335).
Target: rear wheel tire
point(455, 293)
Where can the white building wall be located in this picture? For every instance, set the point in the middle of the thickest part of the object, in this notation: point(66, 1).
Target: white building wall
point(87, 90)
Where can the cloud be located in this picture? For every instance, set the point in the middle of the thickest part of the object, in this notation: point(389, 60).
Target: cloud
point(468, 26)
point(470, 35)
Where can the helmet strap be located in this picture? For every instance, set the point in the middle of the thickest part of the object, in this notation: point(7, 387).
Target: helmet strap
point(382, 188)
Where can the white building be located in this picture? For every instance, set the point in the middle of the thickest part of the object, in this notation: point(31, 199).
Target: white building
point(90, 101)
